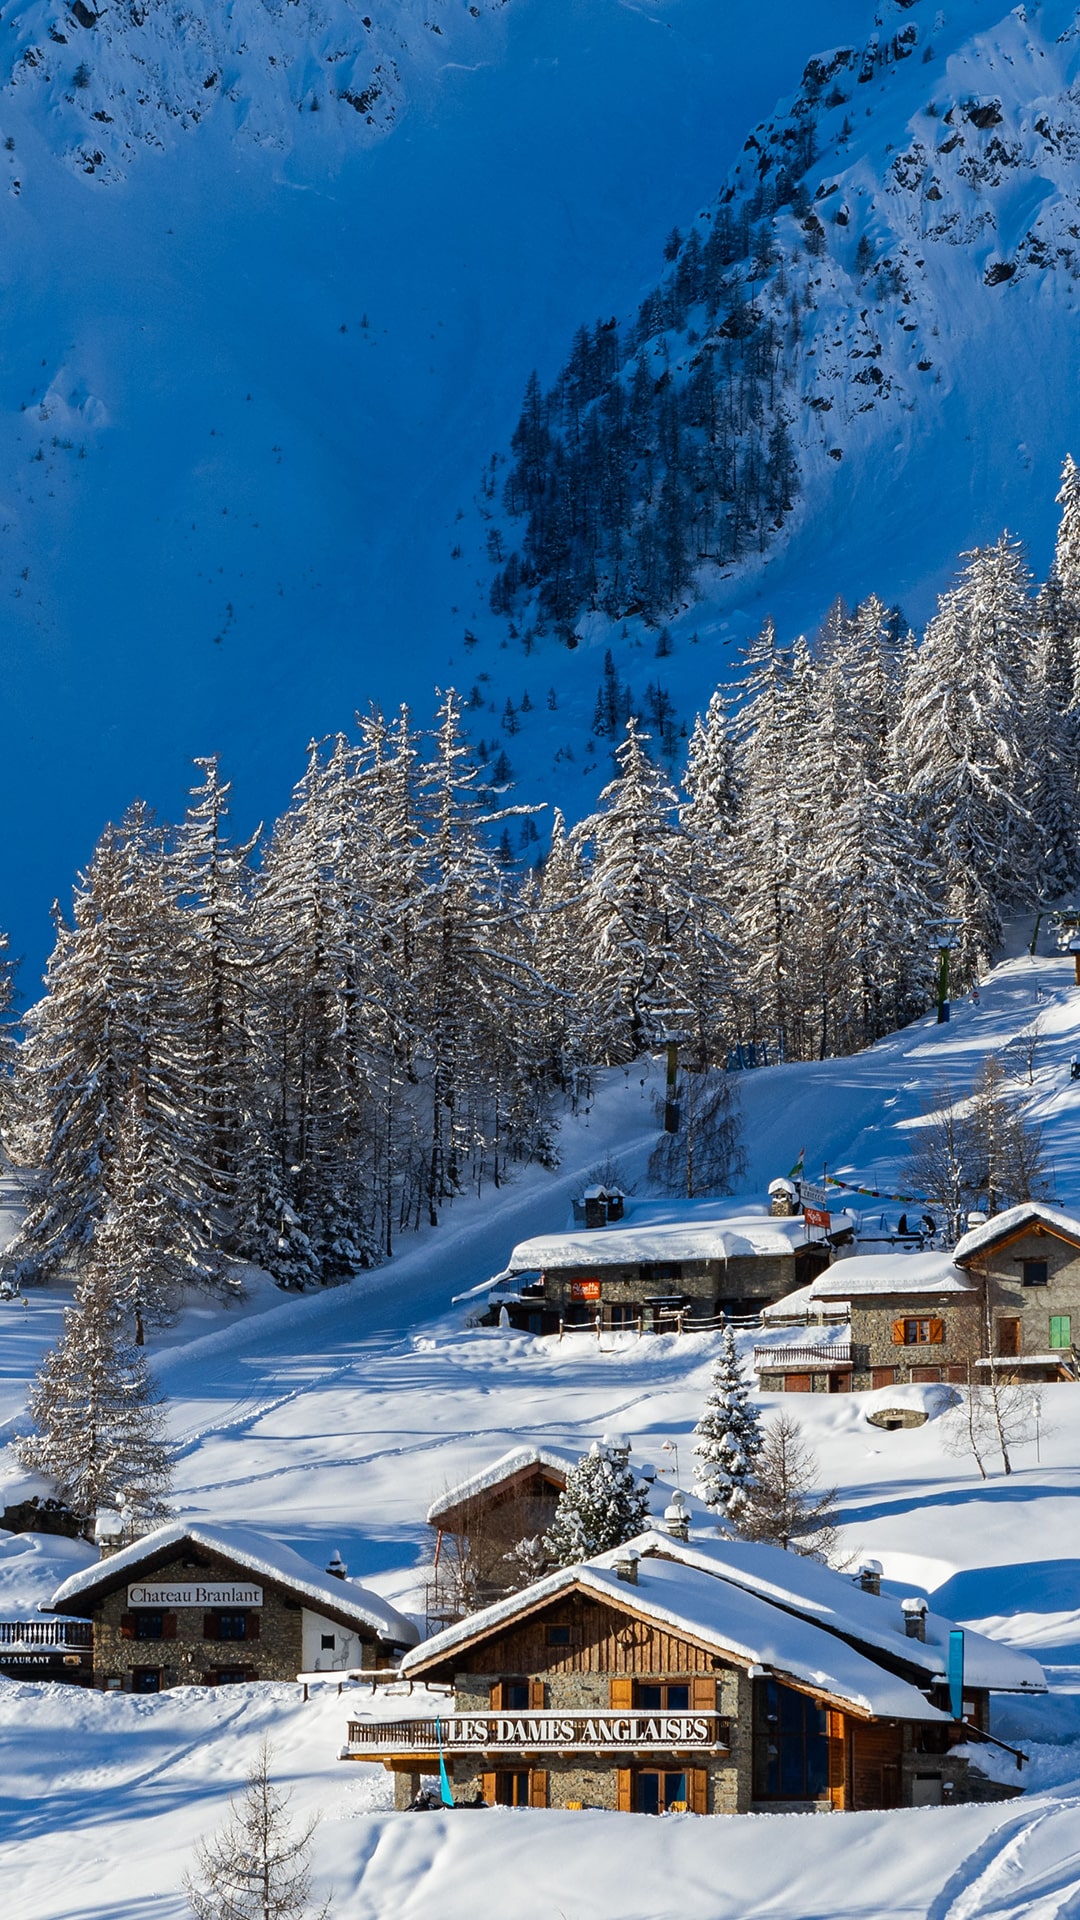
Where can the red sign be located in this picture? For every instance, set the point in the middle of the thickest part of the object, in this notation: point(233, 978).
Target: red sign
point(584, 1289)
point(816, 1217)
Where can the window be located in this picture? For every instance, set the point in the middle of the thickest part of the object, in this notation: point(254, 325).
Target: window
point(232, 1626)
point(558, 1636)
point(1035, 1273)
point(666, 1698)
point(328, 1642)
point(622, 1314)
point(149, 1626)
point(512, 1789)
point(1008, 1338)
point(515, 1696)
point(146, 1679)
point(661, 1792)
point(916, 1333)
point(231, 1676)
point(791, 1747)
point(1060, 1331)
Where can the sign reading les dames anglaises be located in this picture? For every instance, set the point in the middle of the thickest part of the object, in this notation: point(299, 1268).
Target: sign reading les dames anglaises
point(588, 1731)
point(191, 1593)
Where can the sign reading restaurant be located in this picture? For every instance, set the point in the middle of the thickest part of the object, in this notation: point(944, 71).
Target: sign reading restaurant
point(190, 1594)
point(584, 1733)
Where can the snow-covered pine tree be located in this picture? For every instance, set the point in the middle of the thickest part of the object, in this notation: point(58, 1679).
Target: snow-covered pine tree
point(1059, 598)
point(769, 842)
point(114, 1027)
point(600, 1506)
point(97, 1417)
point(635, 908)
point(960, 745)
point(728, 1438)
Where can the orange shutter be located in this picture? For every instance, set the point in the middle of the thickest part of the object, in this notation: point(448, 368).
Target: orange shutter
point(487, 1787)
point(496, 1698)
point(703, 1694)
point(898, 1333)
point(697, 1783)
point(127, 1626)
point(937, 1332)
point(622, 1693)
point(169, 1626)
point(624, 1797)
point(538, 1787)
point(252, 1626)
point(837, 1761)
point(537, 1703)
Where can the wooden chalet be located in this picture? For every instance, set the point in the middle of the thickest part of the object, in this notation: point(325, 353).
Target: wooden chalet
point(718, 1677)
point(190, 1605)
point(662, 1266)
point(482, 1520)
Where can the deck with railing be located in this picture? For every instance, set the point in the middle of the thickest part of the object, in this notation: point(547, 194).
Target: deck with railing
point(543, 1732)
point(808, 1359)
point(46, 1633)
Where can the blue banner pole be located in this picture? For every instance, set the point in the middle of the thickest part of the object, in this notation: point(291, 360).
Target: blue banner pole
point(446, 1792)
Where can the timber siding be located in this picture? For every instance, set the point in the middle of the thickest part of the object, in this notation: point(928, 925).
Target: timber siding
point(185, 1656)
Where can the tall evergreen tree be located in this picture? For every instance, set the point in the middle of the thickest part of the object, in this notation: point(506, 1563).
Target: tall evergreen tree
point(600, 1507)
point(728, 1438)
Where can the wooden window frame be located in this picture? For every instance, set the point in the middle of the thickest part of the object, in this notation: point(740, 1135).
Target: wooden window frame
point(1043, 1281)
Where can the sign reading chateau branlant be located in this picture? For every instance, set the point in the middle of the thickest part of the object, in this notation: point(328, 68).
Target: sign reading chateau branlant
point(553, 1732)
point(191, 1594)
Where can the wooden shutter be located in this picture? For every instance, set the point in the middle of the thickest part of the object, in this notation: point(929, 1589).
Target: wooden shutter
point(487, 1787)
point(622, 1693)
point(127, 1626)
point(624, 1791)
point(168, 1626)
point(209, 1626)
point(495, 1697)
point(937, 1332)
point(837, 1761)
point(697, 1787)
point(703, 1694)
point(252, 1627)
point(538, 1787)
point(537, 1703)
point(898, 1333)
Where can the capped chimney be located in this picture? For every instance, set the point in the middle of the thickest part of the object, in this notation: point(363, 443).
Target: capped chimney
point(914, 1612)
point(676, 1518)
point(336, 1565)
point(869, 1576)
point(627, 1564)
point(783, 1198)
point(108, 1531)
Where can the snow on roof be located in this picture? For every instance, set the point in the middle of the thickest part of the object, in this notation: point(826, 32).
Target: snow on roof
point(833, 1601)
point(1013, 1220)
point(797, 1304)
point(246, 1549)
point(671, 1231)
point(518, 1460)
point(734, 1620)
point(889, 1273)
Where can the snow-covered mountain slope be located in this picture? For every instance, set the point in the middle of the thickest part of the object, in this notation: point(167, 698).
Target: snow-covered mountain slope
point(249, 384)
point(336, 1419)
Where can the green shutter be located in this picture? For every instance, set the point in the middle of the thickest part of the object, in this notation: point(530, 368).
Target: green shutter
point(1060, 1330)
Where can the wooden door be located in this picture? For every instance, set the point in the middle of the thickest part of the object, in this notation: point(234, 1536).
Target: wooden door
point(1008, 1338)
point(798, 1383)
point(883, 1376)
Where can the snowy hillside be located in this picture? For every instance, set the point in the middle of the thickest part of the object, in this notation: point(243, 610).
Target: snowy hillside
point(335, 1420)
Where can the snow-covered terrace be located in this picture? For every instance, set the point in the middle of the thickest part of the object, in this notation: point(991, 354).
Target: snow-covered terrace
point(672, 1231)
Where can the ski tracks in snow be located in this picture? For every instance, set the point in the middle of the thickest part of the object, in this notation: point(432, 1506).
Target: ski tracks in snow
point(1026, 1869)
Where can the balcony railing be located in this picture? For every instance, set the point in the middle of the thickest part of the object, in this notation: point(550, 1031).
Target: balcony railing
point(601, 1732)
point(46, 1633)
point(812, 1359)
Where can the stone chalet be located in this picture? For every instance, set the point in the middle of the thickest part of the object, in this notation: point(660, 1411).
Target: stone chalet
point(190, 1605)
point(717, 1676)
point(1008, 1296)
point(663, 1265)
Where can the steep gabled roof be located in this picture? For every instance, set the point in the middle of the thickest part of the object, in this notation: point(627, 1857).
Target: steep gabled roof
point(688, 1598)
point(247, 1552)
point(672, 1230)
point(1031, 1214)
point(507, 1467)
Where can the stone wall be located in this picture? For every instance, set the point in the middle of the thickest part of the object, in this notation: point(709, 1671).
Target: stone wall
point(1033, 1306)
point(873, 1344)
point(706, 1283)
point(186, 1658)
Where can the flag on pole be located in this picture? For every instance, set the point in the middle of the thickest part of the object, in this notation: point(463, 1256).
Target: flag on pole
point(797, 1170)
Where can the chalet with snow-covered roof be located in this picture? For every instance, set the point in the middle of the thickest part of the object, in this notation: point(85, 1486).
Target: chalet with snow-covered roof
point(190, 1605)
point(480, 1522)
point(1007, 1297)
point(664, 1265)
point(716, 1676)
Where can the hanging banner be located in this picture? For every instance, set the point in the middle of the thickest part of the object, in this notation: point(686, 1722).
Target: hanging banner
point(815, 1205)
point(956, 1672)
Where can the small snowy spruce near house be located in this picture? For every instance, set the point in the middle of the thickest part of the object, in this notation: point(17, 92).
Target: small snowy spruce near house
point(728, 1438)
point(600, 1507)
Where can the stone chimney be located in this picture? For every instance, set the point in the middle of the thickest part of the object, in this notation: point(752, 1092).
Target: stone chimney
point(914, 1612)
point(869, 1576)
point(782, 1199)
point(676, 1518)
point(108, 1531)
point(626, 1565)
point(336, 1565)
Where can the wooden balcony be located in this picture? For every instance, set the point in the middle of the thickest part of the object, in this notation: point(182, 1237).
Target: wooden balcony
point(807, 1359)
point(548, 1732)
point(46, 1633)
